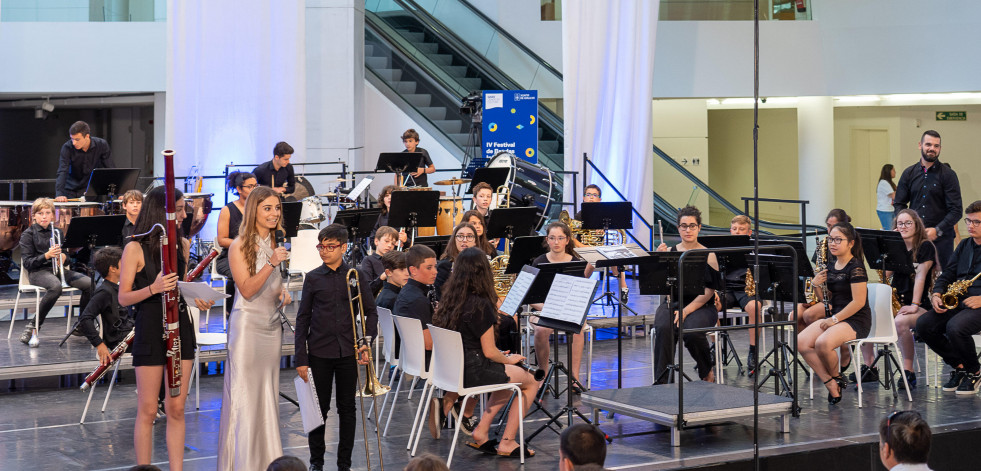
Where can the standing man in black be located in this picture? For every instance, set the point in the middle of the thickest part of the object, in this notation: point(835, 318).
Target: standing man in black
point(278, 173)
point(933, 191)
point(325, 342)
point(79, 156)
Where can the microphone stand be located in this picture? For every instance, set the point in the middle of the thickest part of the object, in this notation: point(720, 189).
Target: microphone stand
point(284, 274)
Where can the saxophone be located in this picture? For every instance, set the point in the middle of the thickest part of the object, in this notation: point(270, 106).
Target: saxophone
point(896, 303)
point(822, 262)
point(951, 298)
point(502, 282)
point(750, 283)
point(810, 294)
point(592, 237)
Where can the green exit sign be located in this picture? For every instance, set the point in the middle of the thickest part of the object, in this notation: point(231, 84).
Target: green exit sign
point(952, 116)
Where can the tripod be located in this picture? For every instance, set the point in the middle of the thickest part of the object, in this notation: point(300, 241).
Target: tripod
point(780, 352)
point(569, 407)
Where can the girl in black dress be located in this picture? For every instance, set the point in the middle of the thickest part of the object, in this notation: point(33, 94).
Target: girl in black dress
point(229, 220)
point(847, 282)
point(464, 237)
point(140, 284)
point(385, 203)
point(469, 307)
point(475, 219)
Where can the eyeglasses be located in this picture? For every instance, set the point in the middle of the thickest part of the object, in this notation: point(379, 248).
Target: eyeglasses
point(688, 227)
point(835, 240)
point(972, 222)
point(592, 195)
point(557, 238)
point(249, 187)
point(465, 237)
point(328, 247)
point(892, 416)
point(906, 223)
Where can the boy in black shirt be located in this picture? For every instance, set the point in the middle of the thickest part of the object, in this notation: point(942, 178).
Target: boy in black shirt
point(324, 342)
point(396, 276)
point(372, 266)
point(116, 321)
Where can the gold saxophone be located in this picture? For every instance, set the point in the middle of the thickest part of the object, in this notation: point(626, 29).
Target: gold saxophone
point(810, 294)
point(502, 282)
point(592, 237)
point(896, 304)
point(750, 283)
point(951, 298)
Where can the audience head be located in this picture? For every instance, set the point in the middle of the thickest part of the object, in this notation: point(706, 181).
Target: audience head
point(741, 225)
point(835, 216)
point(287, 463)
point(581, 444)
point(394, 263)
point(426, 462)
point(887, 173)
point(421, 262)
point(904, 437)
point(930, 145)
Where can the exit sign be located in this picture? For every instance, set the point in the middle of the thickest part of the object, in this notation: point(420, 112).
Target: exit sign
point(952, 116)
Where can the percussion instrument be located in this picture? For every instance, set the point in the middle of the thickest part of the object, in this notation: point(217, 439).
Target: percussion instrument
point(198, 207)
point(446, 220)
point(312, 211)
point(302, 189)
point(422, 231)
point(529, 184)
point(453, 181)
point(15, 216)
point(64, 212)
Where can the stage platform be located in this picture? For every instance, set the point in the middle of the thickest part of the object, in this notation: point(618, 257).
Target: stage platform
point(703, 403)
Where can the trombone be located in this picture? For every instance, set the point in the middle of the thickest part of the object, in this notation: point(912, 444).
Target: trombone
point(57, 267)
point(372, 388)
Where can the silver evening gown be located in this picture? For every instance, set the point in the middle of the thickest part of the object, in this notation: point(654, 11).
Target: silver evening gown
point(249, 435)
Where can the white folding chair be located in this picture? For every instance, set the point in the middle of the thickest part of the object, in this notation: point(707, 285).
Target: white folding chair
point(201, 338)
point(448, 375)
point(387, 328)
point(215, 276)
point(112, 382)
point(883, 332)
point(412, 361)
point(303, 253)
point(24, 286)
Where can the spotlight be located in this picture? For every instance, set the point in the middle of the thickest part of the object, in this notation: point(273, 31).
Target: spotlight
point(40, 113)
point(47, 106)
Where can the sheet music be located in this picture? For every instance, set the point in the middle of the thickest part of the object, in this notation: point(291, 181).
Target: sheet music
point(615, 251)
point(199, 289)
point(356, 191)
point(306, 395)
point(568, 298)
point(512, 302)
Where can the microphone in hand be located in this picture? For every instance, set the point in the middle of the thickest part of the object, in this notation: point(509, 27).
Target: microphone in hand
point(280, 242)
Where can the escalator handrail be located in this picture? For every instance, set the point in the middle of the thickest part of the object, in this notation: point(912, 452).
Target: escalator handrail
point(716, 196)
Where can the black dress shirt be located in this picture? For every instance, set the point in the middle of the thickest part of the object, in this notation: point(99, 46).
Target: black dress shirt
point(372, 268)
point(934, 193)
point(416, 300)
point(266, 175)
point(444, 268)
point(127, 232)
point(323, 320)
point(386, 298)
point(34, 242)
point(963, 265)
point(115, 321)
point(75, 166)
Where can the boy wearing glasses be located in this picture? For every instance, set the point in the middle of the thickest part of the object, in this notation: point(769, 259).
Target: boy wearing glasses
point(324, 342)
point(593, 194)
point(949, 331)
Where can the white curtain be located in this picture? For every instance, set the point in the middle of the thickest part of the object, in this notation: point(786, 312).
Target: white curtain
point(608, 72)
point(235, 85)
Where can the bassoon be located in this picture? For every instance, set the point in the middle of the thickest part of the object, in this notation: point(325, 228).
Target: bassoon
point(168, 252)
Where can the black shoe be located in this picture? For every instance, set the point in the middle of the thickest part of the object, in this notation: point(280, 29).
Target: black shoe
point(25, 337)
point(956, 377)
point(751, 363)
point(910, 378)
point(869, 375)
point(316, 467)
point(844, 368)
point(832, 400)
point(970, 383)
point(624, 295)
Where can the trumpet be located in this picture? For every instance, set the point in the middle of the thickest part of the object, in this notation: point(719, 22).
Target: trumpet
point(372, 387)
point(951, 298)
point(57, 268)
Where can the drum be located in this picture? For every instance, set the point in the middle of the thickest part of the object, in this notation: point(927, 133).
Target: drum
point(64, 212)
point(530, 185)
point(312, 211)
point(302, 190)
point(445, 220)
point(198, 207)
point(15, 216)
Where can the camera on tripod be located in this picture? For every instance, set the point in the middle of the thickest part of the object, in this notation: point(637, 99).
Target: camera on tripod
point(472, 105)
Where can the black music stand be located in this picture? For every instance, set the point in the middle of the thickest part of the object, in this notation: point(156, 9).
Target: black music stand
point(776, 273)
point(728, 262)
point(359, 223)
point(412, 209)
point(291, 217)
point(885, 250)
point(437, 243)
point(398, 163)
point(524, 250)
point(509, 223)
point(606, 216)
point(92, 232)
point(660, 276)
point(493, 176)
point(109, 183)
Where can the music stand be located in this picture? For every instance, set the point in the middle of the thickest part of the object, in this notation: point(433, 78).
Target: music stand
point(885, 249)
point(777, 274)
point(524, 250)
point(509, 223)
point(804, 268)
point(359, 223)
point(546, 273)
point(398, 163)
point(606, 216)
point(413, 209)
point(110, 182)
point(92, 232)
point(728, 262)
point(493, 176)
point(291, 217)
point(437, 243)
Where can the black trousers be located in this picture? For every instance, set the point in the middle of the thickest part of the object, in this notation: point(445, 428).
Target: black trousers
point(665, 339)
point(945, 247)
point(328, 373)
point(949, 334)
point(52, 286)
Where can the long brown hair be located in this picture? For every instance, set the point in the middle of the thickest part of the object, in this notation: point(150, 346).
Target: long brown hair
point(381, 197)
point(247, 232)
point(471, 278)
point(482, 242)
point(568, 236)
point(451, 250)
point(919, 229)
point(886, 174)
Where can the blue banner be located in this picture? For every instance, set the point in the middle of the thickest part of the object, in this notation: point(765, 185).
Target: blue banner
point(510, 120)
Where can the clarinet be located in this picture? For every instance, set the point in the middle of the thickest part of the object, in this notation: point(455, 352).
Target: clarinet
point(124, 344)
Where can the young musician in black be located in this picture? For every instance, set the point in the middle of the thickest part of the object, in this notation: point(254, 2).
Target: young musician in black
point(697, 313)
point(395, 278)
point(949, 331)
point(132, 201)
point(410, 139)
point(464, 237)
point(141, 282)
point(371, 266)
point(115, 320)
point(847, 282)
point(229, 222)
point(385, 203)
point(278, 172)
point(479, 224)
point(324, 335)
point(593, 194)
point(736, 291)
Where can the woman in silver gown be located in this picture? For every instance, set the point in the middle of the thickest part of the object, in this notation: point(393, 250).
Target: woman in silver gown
point(249, 435)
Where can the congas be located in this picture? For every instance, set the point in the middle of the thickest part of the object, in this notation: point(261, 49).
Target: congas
point(198, 207)
point(64, 212)
point(445, 219)
point(529, 185)
point(15, 216)
point(312, 211)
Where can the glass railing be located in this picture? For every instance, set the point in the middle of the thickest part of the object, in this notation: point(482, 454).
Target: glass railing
point(733, 10)
point(83, 10)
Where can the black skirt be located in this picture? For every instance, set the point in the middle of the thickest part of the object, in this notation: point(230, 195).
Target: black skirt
point(479, 371)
